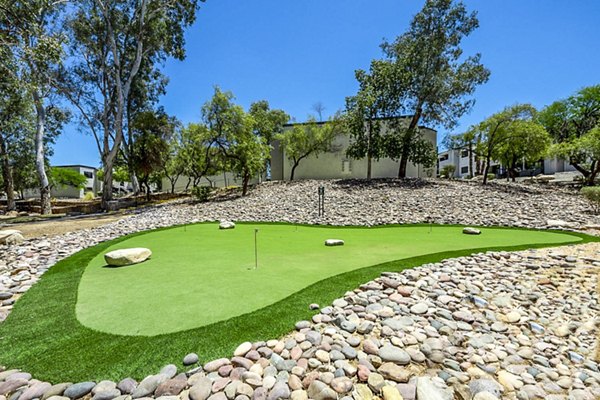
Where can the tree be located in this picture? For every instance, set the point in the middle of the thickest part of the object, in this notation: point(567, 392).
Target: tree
point(319, 108)
point(568, 121)
point(366, 113)
point(114, 41)
point(312, 138)
point(267, 123)
point(16, 115)
point(498, 129)
point(151, 132)
point(174, 165)
point(526, 140)
point(60, 177)
point(233, 132)
point(470, 141)
point(32, 31)
point(434, 81)
point(197, 153)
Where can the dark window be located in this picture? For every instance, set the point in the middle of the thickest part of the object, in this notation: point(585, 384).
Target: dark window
point(88, 174)
point(444, 157)
point(464, 170)
point(464, 153)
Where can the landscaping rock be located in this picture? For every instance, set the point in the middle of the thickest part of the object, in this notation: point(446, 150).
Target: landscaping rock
point(79, 390)
point(471, 231)
point(11, 237)
point(226, 225)
point(123, 257)
point(190, 359)
point(334, 242)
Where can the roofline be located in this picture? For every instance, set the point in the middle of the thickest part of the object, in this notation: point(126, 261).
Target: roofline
point(376, 119)
point(75, 165)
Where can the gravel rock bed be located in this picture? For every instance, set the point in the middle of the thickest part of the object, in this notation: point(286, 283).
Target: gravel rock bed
point(498, 325)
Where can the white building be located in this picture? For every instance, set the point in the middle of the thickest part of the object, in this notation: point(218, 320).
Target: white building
point(336, 165)
point(93, 184)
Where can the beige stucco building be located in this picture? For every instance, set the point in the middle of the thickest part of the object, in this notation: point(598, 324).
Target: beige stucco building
point(336, 165)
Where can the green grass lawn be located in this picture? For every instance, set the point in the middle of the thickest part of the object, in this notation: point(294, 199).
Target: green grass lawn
point(82, 321)
point(199, 275)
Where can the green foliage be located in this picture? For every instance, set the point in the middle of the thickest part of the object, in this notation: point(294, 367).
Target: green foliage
point(202, 193)
point(490, 177)
point(151, 132)
point(592, 194)
point(61, 177)
point(89, 196)
point(509, 136)
point(571, 123)
point(312, 138)
point(232, 131)
point(448, 171)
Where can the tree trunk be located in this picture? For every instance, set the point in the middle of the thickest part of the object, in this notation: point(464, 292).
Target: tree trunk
point(369, 151)
point(135, 183)
point(147, 190)
point(106, 185)
point(414, 123)
point(471, 173)
point(294, 170)
point(245, 181)
point(487, 168)
point(369, 162)
point(7, 177)
point(40, 159)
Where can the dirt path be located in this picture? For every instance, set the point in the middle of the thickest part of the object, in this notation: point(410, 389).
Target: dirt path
point(58, 227)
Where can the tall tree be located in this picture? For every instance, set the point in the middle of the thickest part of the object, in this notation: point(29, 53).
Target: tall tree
point(310, 139)
point(568, 121)
point(152, 131)
point(319, 108)
point(233, 131)
point(197, 153)
point(33, 33)
point(498, 129)
point(113, 40)
point(267, 123)
point(436, 80)
point(15, 121)
point(366, 112)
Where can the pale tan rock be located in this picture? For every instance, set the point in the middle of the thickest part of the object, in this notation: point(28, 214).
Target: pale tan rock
point(122, 257)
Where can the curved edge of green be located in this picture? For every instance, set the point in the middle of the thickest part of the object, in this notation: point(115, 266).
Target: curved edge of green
point(43, 336)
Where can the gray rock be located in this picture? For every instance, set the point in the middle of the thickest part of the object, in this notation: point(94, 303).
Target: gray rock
point(190, 359)
point(394, 354)
point(320, 391)
point(79, 390)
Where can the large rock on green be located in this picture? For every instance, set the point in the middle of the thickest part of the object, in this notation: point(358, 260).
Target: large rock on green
point(122, 257)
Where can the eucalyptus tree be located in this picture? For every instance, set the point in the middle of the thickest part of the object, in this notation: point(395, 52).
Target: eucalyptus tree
point(113, 43)
point(571, 123)
point(309, 139)
point(436, 80)
point(32, 34)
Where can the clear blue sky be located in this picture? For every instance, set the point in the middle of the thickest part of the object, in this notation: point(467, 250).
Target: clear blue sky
point(295, 53)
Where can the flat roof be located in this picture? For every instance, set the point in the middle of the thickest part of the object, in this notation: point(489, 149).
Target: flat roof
point(75, 165)
point(375, 119)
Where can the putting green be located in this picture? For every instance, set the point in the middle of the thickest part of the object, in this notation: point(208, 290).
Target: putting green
point(199, 275)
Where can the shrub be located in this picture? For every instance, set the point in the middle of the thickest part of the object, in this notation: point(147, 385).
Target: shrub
point(201, 193)
point(592, 194)
point(447, 171)
point(491, 176)
point(89, 196)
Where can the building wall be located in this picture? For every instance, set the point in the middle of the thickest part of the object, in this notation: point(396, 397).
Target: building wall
point(335, 164)
point(221, 180)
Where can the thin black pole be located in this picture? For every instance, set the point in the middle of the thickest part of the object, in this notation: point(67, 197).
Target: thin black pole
point(255, 249)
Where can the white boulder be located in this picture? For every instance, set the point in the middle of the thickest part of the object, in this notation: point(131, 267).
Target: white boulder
point(226, 225)
point(471, 231)
point(119, 258)
point(11, 236)
point(558, 223)
point(334, 242)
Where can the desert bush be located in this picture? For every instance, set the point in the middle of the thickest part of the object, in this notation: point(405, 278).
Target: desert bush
point(89, 196)
point(447, 171)
point(592, 194)
point(201, 193)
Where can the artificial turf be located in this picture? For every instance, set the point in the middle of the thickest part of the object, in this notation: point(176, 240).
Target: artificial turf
point(43, 336)
point(199, 275)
